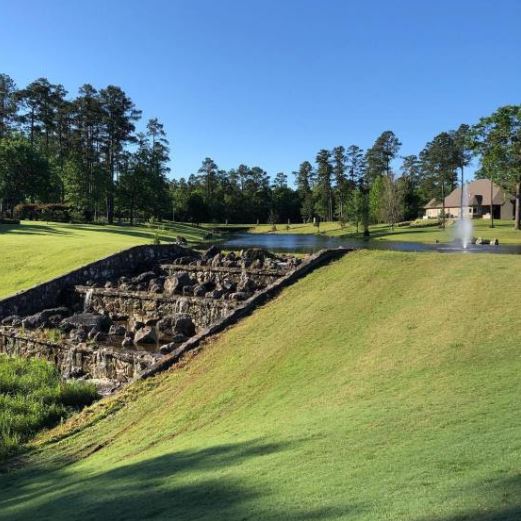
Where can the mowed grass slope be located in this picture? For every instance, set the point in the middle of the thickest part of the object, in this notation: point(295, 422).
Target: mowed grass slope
point(384, 386)
point(34, 252)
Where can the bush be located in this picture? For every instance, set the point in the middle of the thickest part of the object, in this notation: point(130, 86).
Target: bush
point(33, 397)
point(55, 212)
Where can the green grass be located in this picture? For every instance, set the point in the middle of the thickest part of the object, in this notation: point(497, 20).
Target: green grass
point(34, 252)
point(503, 231)
point(384, 386)
point(32, 396)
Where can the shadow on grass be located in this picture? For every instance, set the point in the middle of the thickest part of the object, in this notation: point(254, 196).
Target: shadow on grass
point(185, 485)
point(32, 229)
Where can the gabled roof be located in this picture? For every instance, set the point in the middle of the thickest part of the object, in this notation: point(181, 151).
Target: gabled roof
point(433, 203)
point(479, 187)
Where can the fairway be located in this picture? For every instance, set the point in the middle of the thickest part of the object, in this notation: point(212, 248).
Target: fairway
point(35, 252)
point(384, 386)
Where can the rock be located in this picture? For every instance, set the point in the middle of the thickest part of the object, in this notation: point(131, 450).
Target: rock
point(199, 290)
point(176, 283)
point(117, 330)
point(216, 261)
point(146, 335)
point(12, 320)
point(184, 325)
point(211, 252)
point(127, 342)
point(144, 277)
point(253, 254)
point(93, 332)
point(188, 290)
point(89, 320)
point(176, 341)
point(99, 337)
point(166, 324)
point(228, 285)
point(156, 285)
point(108, 284)
point(42, 319)
point(240, 295)
point(215, 293)
point(246, 284)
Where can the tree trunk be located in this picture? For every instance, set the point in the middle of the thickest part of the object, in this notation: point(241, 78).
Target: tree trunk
point(491, 205)
point(517, 219)
point(443, 204)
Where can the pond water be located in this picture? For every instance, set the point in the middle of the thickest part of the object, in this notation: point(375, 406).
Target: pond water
point(302, 243)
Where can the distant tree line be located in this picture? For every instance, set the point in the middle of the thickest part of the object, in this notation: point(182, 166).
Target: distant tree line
point(81, 152)
point(85, 153)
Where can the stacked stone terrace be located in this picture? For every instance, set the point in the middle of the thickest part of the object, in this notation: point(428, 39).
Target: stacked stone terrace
point(112, 330)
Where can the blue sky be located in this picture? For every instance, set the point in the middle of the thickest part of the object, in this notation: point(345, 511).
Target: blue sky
point(270, 82)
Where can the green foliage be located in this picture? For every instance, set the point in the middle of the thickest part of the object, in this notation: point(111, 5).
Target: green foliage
point(33, 397)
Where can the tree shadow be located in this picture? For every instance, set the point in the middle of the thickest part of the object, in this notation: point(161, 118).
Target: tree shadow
point(505, 503)
point(184, 485)
point(31, 229)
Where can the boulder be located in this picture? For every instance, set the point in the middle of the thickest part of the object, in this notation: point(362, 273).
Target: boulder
point(146, 335)
point(188, 290)
point(184, 325)
point(46, 318)
point(117, 330)
point(127, 342)
point(211, 252)
point(166, 324)
point(89, 320)
point(156, 285)
point(108, 284)
point(144, 278)
point(240, 295)
point(216, 261)
point(215, 293)
point(246, 284)
point(12, 320)
point(176, 341)
point(199, 290)
point(176, 283)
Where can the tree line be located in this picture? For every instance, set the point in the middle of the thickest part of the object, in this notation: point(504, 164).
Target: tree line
point(85, 152)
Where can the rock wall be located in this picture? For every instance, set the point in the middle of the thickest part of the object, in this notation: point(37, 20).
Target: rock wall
point(144, 306)
point(48, 294)
point(80, 361)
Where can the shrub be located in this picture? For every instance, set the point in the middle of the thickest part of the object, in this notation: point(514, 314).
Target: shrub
point(43, 212)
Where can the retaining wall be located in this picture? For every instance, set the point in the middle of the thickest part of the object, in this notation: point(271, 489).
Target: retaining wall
point(50, 293)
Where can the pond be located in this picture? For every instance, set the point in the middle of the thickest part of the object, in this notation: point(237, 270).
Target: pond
point(302, 243)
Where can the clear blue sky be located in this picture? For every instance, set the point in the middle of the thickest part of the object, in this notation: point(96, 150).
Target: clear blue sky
point(270, 82)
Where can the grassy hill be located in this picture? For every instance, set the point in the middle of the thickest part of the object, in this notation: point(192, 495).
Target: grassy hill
point(384, 386)
point(503, 231)
point(34, 252)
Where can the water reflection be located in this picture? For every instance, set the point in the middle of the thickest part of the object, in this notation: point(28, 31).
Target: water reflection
point(301, 243)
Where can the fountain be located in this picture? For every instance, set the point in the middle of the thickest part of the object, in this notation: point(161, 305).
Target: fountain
point(463, 229)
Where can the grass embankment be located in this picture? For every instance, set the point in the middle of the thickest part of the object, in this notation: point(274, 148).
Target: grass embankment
point(34, 252)
point(382, 387)
point(32, 396)
point(503, 231)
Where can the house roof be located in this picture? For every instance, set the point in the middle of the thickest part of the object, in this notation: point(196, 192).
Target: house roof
point(433, 203)
point(479, 187)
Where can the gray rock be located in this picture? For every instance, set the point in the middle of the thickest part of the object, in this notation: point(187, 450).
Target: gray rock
point(43, 318)
point(184, 325)
point(117, 330)
point(240, 295)
point(146, 335)
point(176, 283)
point(144, 277)
point(89, 320)
point(211, 252)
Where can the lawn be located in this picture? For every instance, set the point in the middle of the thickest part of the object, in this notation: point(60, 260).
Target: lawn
point(34, 252)
point(384, 386)
point(503, 231)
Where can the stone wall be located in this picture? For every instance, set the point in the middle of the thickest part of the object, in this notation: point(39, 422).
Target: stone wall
point(144, 306)
point(50, 293)
point(82, 360)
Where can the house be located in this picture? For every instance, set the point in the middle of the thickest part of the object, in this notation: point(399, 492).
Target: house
point(480, 198)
